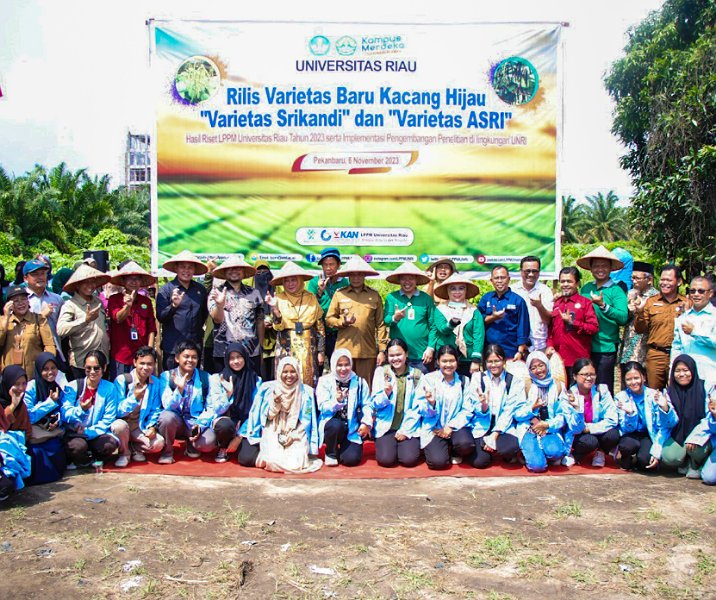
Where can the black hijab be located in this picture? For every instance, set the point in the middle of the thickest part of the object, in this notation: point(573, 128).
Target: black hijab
point(9, 376)
point(243, 383)
point(689, 400)
point(44, 388)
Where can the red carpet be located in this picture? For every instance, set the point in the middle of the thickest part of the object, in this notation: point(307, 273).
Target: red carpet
point(368, 469)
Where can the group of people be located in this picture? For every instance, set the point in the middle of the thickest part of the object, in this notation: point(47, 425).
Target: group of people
point(271, 366)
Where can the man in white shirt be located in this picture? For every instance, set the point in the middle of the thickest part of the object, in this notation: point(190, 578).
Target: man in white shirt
point(538, 298)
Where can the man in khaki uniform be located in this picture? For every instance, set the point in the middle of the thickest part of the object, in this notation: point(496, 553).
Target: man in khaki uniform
point(356, 311)
point(655, 318)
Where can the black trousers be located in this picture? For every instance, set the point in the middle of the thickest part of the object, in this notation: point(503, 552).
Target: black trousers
point(389, 452)
point(437, 452)
point(507, 448)
point(335, 435)
point(636, 443)
point(248, 453)
point(604, 364)
point(82, 452)
point(586, 443)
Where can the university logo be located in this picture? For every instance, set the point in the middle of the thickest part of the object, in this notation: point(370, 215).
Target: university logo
point(319, 45)
point(346, 46)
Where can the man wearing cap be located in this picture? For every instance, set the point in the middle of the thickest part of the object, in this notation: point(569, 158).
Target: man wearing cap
point(507, 320)
point(695, 330)
point(82, 318)
point(237, 310)
point(655, 318)
point(539, 300)
point(357, 312)
point(409, 315)
point(23, 334)
point(634, 344)
point(610, 305)
point(324, 286)
point(131, 314)
point(181, 305)
point(42, 301)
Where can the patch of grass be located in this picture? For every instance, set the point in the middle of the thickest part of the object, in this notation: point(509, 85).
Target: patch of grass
point(151, 589)
point(414, 580)
point(238, 517)
point(360, 548)
point(711, 508)
point(495, 549)
point(79, 565)
point(493, 595)
point(573, 508)
point(653, 515)
point(705, 566)
point(134, 489)
point(586, 576)
point(685, 534)
point(536, 562)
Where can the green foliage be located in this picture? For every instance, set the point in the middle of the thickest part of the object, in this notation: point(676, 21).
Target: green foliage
point(598, 220)
point(665, 93)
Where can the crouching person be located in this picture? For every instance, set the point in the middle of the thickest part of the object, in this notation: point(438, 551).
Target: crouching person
point(192, 402)
point(138, 411)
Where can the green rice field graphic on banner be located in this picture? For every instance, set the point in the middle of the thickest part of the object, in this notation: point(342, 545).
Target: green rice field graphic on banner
point(394, 142)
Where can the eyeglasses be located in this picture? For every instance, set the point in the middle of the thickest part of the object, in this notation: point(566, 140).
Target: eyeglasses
point(693, 291)
point(89, 369)
point(587, 375)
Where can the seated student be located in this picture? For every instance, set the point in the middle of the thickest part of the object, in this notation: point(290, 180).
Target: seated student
point(14, 461)
point(597, 421)
point(689, 444)
point(708, 427)
point(444, 406)
point(14, 383)
point(89, 407)
point(643, 424)
point(544, 418)
point(393, 405)
point(43, 399)
point(495, 396)
point(192, 402)
point(241, 384)
point(344, 419)
point(283, 423)
point(140, 405)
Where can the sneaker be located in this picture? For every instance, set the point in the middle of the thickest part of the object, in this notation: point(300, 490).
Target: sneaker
point(191, 452)
point(221, 456)
point(692, 473)
point(682, 470)
point(166, 459)
point(139, 457)
point(331, 461)
point(456, 460)
point(568, 461)
point(599, 459)
point(71, 467)
point(122, 461)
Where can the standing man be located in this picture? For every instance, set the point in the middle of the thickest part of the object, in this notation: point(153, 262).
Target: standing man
point(634, 344)
point(131, 316)
point(181, 305)
point(507, 320)
point(324, 286)
point(610, 304)
point(43, 301)
point(539, 300)
point(655, 318)
point(409, 315)
point(82, 318)
point(695, 330)
point(237, 310)
point(356, 312)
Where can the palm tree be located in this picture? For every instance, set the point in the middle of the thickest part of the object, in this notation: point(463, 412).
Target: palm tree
point(572, 220)
point(604, 220)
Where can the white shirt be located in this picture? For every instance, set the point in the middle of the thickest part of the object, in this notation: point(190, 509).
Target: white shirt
point(539, 328)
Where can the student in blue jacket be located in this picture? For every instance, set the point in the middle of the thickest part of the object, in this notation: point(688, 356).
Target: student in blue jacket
point(597, 429)
point(14, 461)
point(495, 395)
point(344, 419)
point(708, 426)
point(444, 405)
point(544, 418)
point(140, 404)
point(645, 421)
point(192, 402)
point(89, 407)
point(394, 408)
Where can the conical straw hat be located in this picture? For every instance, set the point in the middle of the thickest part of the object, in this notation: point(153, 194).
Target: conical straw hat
point(185, 256)
point(357, 265)
point(290, 269)
point(408, 268)
point(85, 273)
point(599, 252)
point(234, 262)
point(441, 291)
point(132, 268)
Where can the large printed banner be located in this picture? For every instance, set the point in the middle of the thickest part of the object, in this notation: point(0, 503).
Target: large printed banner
point(395, 142)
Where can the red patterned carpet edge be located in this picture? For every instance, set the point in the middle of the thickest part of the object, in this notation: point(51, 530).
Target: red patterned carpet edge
point(368, 469)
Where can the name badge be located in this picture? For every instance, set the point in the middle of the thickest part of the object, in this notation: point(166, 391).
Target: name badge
point(411, 314)
point(511, 307)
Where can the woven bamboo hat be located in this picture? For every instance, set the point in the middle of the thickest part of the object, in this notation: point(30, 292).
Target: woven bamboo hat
point(600, 252)
point(85, 273)
point(441, 291)
point(357, 265)
point(132, 268)
point(188, 257)
point(408, 268)
point(234, 262)
point(290, 269)
point(442, 261)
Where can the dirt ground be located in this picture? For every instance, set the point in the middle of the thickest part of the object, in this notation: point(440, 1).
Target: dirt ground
point(154, 536)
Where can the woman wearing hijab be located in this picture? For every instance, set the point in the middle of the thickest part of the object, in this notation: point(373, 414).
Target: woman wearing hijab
point(283, 422)
point(298, 322)
point(12, 392)
point(14, 461)
point(240, 382)
point(344, 419)
point(689, 446)
point(43, 399)
point(543, 418)
point(393, 404)
point(262, 282)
